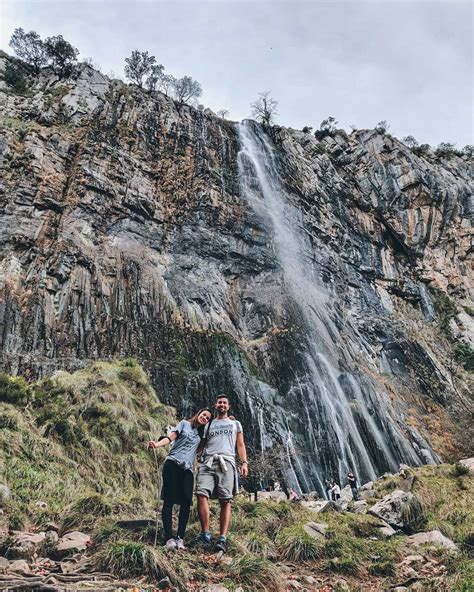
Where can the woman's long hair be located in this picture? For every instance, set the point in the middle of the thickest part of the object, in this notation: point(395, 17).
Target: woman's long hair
point(194, 422)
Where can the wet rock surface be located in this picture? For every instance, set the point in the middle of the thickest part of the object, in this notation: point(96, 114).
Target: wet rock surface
point(126, 233)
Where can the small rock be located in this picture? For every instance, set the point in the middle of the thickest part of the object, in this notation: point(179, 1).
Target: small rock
point(316, 530)
point(20, 565)
point(4, 491)
point(41, 504)
point(4, 563)
point(360, 507)
point(73, 541)
point(386, 530)
point(293, 584)
point(341, 584)
point(434, 537)
point(277, 496)
point(52, 537)
point(321, 506)
point(310, 580)
point(399, 589)
point(216, 588)
point(469, 463)
point(25, 544)
point(52, 526)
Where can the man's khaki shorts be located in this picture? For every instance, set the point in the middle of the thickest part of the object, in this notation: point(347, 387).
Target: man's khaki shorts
point(215, 483)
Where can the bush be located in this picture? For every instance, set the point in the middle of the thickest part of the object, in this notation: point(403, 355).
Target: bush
point(13, 390)
point(255, 572)
point(297, 545)
point(15, 77)
point(29, 47)
point(445, 149)
point(381, 127)
point(464, 354)
point(307, 129)
point(343, 565)
point(61, 54)
point(460, 470)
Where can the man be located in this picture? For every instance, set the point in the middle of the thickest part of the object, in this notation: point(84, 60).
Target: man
point(217, 473)
point(352, 481)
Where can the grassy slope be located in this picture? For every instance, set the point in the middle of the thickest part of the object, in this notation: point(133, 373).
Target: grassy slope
point(77, 442)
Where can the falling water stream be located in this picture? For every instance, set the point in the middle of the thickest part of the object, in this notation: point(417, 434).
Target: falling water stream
point(343, 420)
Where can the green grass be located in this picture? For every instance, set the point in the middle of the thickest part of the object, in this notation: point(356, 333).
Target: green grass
point(297, 545)
point(255, 573)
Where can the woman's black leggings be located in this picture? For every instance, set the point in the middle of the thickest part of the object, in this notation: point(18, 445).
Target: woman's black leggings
point(167, 516)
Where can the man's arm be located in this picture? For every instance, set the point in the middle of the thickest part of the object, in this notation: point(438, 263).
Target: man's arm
point(242, 451)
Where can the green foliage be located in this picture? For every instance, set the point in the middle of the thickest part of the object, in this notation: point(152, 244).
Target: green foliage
point(410, 142)
point(422, 149)
point(139, 66)
point(29, 47)
point(381, 127)
point(464, 354)
point(13, 390)
point(61, 54)
point(445, 149)
point(445, 308)
point(255, 573)
point(261, 545)
point(327, 128)
point(460, 470)
point(16, 78)
point(413, 514)
point(343, 565)
point(297, 545)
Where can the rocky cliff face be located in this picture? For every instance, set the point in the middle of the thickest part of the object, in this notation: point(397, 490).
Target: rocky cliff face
point(300, 277)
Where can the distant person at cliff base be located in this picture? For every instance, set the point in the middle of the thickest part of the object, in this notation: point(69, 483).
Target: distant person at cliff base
point(217, 473)
point(292, 495)
point(336, 492)
point(329, 485)
point(178, 478)
point(352, 481)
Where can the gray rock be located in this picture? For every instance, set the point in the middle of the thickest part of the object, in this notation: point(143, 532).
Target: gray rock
point(4, 491)
point(469, 463)
point(321, 506)
point(25, 544)
point(4, 563)
point(276, 496)
point(73, 542)
point(360, 507)
point(389, 507)
point(433, 537)
point(19, 566)
point(317, 530)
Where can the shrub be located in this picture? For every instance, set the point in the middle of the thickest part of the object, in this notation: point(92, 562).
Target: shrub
point(307, 129)
point(421, 150)
point(29, 47)
point(382, 568)
point(260, 544)
point(464, 354)
point(459, 470)
point(62, 55)
point(255, 572)
point(13, 390)
point(445, 149)
point(327, 128)
point(413, 514)
point(15, 77)
point(297, 545)
point(344, 565)
point(381, 127)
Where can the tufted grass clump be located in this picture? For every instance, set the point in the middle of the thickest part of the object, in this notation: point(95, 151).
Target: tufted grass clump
point(125, 559)
point(295, 544)
point(260, 544)
point(413, 514)
point(460, 470)
point(255, 573)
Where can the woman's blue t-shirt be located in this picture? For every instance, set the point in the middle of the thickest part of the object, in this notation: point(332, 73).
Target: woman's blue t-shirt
point(183, 451)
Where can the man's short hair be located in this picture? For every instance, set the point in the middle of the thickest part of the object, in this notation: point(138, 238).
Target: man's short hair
point(223, 397)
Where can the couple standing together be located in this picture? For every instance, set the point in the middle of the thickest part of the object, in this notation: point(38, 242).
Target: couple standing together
point(216, 441)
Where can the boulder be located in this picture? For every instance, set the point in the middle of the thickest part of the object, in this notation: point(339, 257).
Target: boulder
point(469, 463)
point(19, 566)
point(433, 537)
point(389, 507)
point(316, 530)
point(346, 494)
point(25, 544)
point(4, 563)
point(360, 507)
point(73, 542)
point(367, 486)
point(321, 506)
point(277, 496)
point(386, 530)
point(367, 493)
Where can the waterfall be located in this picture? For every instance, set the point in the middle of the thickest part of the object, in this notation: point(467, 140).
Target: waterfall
point(342, 420)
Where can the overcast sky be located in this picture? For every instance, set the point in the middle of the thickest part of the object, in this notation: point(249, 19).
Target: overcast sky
point(409, 62)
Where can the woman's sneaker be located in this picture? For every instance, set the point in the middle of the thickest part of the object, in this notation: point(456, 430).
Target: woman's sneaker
point(171, 544)
point(180, 544)
point(221, 545)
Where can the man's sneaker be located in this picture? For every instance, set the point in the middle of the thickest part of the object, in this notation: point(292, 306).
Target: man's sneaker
point(180, 544)
point(171, 544)
point(203, 539)
point(221, 545)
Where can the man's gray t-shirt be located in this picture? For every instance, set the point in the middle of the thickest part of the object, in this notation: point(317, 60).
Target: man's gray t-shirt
point(222, 437)
point(183, 450)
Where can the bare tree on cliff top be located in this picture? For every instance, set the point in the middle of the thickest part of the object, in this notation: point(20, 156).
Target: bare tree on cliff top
point(264, 109)
point(138, 66)
point(186, 89)
point(29, 47)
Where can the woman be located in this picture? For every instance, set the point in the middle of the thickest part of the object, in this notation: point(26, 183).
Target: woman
point(178, 478)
